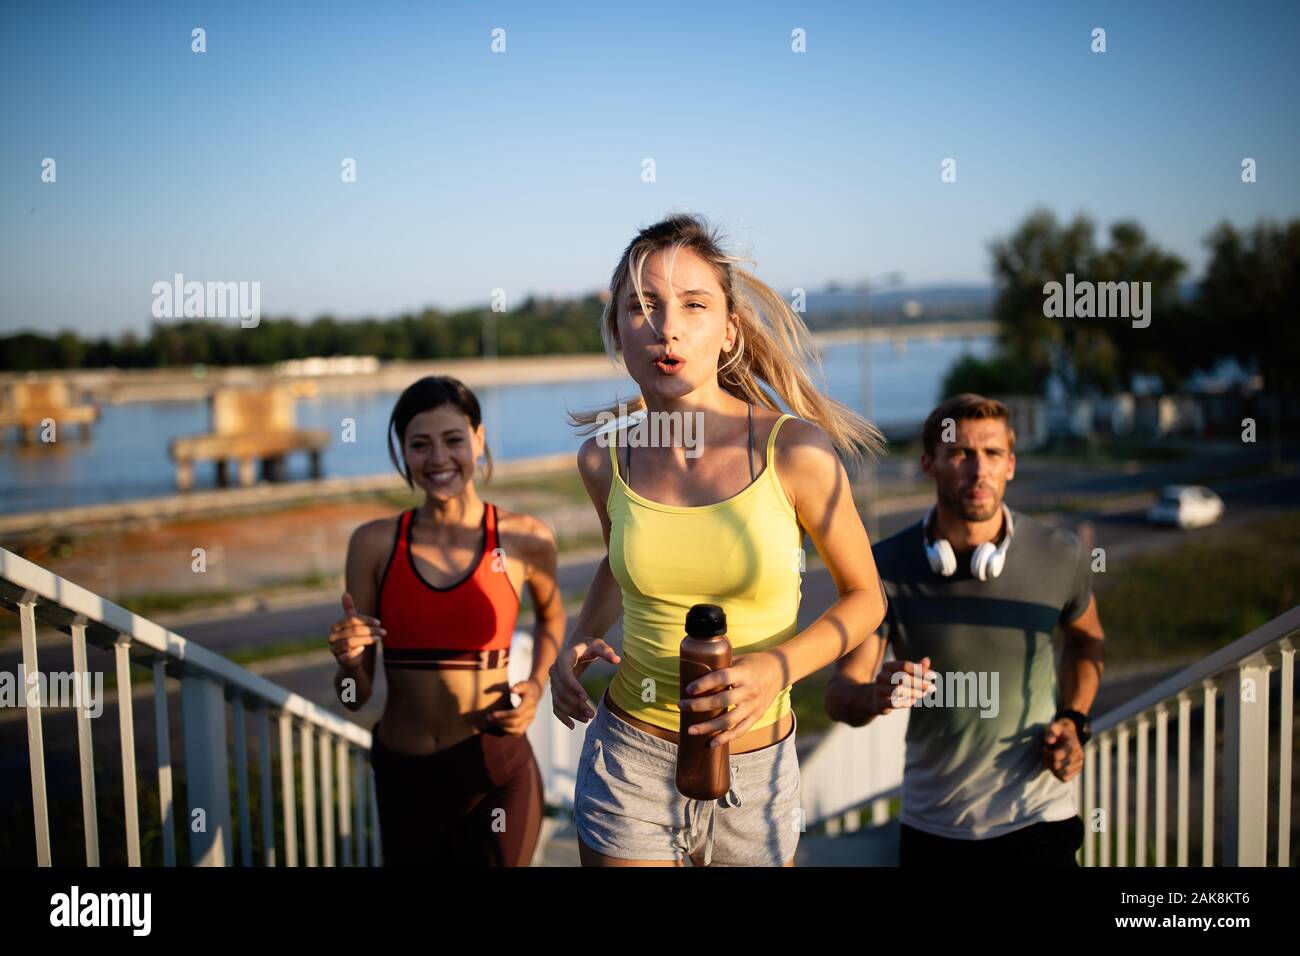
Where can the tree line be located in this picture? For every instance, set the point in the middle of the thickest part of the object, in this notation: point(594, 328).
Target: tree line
point(538, 327)
point(1244, 307)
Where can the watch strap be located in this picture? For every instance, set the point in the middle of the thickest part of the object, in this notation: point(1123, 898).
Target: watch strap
point(1080, 720)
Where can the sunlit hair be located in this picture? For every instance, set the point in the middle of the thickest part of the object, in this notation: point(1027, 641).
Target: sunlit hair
point(773, 349)
point(420, 396)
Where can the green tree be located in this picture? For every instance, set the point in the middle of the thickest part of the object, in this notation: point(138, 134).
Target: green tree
point(1247, 301)
point(1095, 353)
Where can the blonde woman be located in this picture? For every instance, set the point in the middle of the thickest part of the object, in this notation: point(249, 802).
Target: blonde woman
point(722, 523)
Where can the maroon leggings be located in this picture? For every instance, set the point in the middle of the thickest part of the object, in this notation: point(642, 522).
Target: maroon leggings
point(476, 803)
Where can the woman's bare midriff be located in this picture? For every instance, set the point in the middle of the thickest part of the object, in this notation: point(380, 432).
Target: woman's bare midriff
point(431, 710)
point(753, 740)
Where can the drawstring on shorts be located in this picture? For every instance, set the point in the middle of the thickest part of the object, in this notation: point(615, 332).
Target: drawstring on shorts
point(731, 798)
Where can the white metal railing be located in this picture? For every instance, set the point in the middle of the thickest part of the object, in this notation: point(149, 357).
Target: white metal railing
point(1240, 673)
point(350, 825)
point(852, 768)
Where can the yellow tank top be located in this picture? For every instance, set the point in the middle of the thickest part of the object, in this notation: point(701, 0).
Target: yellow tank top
point(742, 554)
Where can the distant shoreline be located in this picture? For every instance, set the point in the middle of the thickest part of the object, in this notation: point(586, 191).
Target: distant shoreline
point(120, 386)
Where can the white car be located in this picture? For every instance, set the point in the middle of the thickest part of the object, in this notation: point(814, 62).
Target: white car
point(1186, 506)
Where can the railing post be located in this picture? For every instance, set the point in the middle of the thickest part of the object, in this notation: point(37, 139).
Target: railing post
point(1287, 700)
point(879, 812)
point(288, 797)
point(1245, 766)
point(35, 734)
point(1076, 791)
point(203, 719)
point(264, 781)
point(162, 731)
point(1184, 773)
point(1162, 783)
point(126, 728)
point(359, 806)
point(345, 803)
point(326, 799)
point(1104, 803)
point(241, 777)
point(85, 749)
point(376, 843)
point(1140, 810)
point(1121, 796)
point(308, 791)
point(1089, 803)
point(1209, 742)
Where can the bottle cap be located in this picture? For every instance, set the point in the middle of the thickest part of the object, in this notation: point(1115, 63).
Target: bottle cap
point(706, 620)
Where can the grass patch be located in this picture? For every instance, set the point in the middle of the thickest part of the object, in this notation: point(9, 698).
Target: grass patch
point(151, 604)
point(1112, 451)
point(1218, 586)
point(314, 642)
point(566, 484)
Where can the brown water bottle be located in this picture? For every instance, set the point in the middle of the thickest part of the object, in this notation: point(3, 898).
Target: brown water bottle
point(703, 772)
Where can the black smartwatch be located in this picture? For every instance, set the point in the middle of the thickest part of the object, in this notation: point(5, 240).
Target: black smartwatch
point(1081, 723)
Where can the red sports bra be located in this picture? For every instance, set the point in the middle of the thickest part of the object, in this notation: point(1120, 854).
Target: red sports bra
point(467, 626)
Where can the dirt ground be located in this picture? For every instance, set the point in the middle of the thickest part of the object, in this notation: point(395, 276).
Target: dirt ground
point(297, 545)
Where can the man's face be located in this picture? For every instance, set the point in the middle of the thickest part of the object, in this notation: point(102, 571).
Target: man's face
point(971, 472)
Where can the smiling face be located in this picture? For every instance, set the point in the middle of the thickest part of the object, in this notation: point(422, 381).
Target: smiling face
point(441, 448)
point(673, 344)
point(971, 473)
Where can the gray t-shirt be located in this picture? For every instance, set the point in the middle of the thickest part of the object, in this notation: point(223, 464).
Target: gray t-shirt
point(974, 766)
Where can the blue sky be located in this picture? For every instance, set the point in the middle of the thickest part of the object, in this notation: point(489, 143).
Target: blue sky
point(522, 170)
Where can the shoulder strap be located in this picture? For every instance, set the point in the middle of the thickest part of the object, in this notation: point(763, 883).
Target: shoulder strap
point(771, 438)
point(613, 451)
point(751, 441)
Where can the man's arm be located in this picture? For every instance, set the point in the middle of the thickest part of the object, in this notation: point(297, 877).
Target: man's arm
point(1082, 659)
point(848, 692)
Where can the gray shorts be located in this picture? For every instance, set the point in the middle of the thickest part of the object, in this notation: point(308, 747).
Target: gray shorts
point(626, 803)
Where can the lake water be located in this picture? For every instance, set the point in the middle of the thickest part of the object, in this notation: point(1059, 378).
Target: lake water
point(127, 455)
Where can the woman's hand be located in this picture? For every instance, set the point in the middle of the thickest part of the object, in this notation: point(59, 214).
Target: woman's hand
point(754, 679)
point(568, 696)
point(516, 720)
point(352, 634)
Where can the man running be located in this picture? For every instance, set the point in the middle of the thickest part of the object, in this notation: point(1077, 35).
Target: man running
point(975, 591)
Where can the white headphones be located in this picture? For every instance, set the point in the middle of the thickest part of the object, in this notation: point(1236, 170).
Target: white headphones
point(985, 563)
